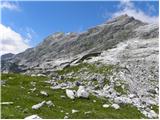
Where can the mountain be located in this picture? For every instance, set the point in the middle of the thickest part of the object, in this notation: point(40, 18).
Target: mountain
point(117, 60)
point(59, 47)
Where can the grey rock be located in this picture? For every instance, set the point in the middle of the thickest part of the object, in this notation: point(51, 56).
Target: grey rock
point(71, 93)
point(82, 92)
point(115, 106)
point(74, 111)
point(105, 105)
point(32, 117)
point(39, 105)
point(44, 93)
point(50, 103)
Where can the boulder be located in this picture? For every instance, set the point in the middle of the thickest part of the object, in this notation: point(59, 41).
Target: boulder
point(50, 103)
point(70, 93)
point(131, 95)
point(74, 111)
point(105, 105)
point(42, 75)
point(39, 105)
point(44, 93)
point(82, 92)
point(115, 106)
point(33, 117)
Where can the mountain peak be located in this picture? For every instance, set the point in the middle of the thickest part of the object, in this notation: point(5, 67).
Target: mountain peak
point(124, 17)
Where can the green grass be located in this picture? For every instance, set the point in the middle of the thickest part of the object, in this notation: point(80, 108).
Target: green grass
point(103, 69)
point(155, 108)
point(13, 92)
point(120, 90)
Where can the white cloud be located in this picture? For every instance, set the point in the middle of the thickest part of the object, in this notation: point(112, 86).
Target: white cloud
point(9, 5)
point(11, 41)
point(127, 7)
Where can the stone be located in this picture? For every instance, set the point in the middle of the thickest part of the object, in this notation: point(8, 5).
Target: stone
point(39, 105)
point(43, 75)
point(75, 111)
point(70, 93)
point(50, 103)
point(44, 93)
point(120, 100)
point(6, 103)
point(33, 117)
point(81, 92)
point(105, 105)
point(131, 95)
point(66, 117)
point(115, 106)
point(33, 75)
point(55, 87)
point(88, 112)
point(33, 89)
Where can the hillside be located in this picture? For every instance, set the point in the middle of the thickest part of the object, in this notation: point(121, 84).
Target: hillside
point(115, 63)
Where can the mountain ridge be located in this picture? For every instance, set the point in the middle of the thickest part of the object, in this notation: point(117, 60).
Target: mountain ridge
point(60, 45)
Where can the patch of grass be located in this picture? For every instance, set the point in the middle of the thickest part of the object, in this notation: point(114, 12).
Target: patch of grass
point(155, 108)
point(120, 90)
point(106, 82)
point(103, 69)
point(17, 90)
point(70, 69)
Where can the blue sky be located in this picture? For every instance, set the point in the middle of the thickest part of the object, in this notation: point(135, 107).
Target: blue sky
point(36, 20)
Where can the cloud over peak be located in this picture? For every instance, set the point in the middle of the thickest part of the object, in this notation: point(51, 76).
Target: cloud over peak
point(128, 7)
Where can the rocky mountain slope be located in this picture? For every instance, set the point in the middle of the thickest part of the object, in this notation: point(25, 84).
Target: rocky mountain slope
point(60, 48)
point(117, 60)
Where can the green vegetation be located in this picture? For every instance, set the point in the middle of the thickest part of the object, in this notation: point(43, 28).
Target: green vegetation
point(155, 108)
point(120, 90)
point(17, 90)
point(88, 67)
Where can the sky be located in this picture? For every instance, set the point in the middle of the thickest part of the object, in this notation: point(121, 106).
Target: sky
point(25, 24)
